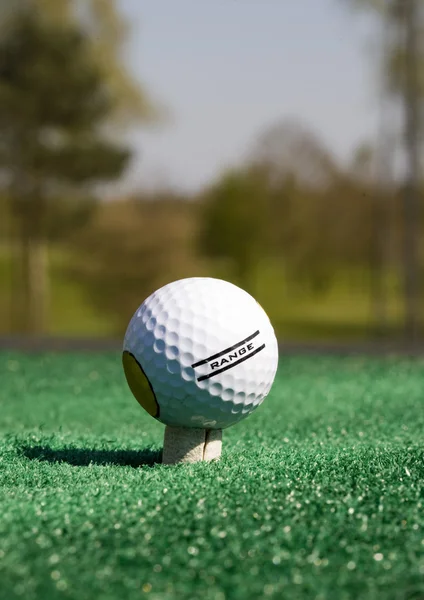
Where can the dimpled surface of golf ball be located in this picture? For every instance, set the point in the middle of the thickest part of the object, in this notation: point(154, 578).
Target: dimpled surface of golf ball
point(200, 352)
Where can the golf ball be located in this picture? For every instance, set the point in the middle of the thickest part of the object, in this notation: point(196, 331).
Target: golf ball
point(200, 352)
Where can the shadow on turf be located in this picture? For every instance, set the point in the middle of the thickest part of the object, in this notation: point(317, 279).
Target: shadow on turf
point(83, 457)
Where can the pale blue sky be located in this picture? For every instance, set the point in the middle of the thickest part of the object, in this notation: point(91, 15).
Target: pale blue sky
point(226, 69)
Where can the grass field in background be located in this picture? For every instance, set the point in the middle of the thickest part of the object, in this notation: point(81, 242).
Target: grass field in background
point(71, 313)
point(344, 313)
point(319, 494)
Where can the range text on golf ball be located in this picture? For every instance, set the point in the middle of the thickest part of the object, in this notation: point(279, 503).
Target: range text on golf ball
point(230, 357)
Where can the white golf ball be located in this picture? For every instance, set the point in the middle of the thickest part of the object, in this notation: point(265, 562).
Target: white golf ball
point(200, 352)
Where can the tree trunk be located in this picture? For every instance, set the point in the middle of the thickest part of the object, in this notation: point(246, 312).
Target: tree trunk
point(378, 266)
point(34, 283)
point(37, 280)
point(411, 203)
point(17, 296)
point(382, 235)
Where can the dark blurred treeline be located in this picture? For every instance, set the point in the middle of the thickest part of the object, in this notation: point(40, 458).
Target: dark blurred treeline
point(309, 223)
point(290, 216)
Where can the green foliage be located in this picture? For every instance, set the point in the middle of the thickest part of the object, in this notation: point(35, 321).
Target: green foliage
point(107, 33)
point(52, 102)
point(301, 247)
point(235, 220)
point(292, 202)
point(54, 105)
point(131, 248)
point(329, 229)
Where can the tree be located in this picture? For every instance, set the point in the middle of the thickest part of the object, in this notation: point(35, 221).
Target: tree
point(53, 106)
point(288, 148)
point(300, 172)
point(371, 168)
point(106, 34)
point(320, 212)
point(235, 220)
point(402, 74)
point(131, 248)
point(413, 104)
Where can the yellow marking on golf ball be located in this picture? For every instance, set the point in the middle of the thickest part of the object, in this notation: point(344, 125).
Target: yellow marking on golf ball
point(139, 384)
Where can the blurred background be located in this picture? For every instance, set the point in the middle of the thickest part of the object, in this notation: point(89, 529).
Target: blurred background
point(273, 144)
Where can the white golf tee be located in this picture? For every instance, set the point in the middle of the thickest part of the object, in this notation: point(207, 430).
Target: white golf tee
point(186, 445)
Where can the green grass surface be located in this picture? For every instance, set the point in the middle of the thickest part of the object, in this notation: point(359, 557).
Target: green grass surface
point(319, 494)
point(343, 313)
point(70, 311)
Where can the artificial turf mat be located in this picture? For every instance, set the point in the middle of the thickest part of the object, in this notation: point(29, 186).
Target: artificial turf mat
point(319, 494)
